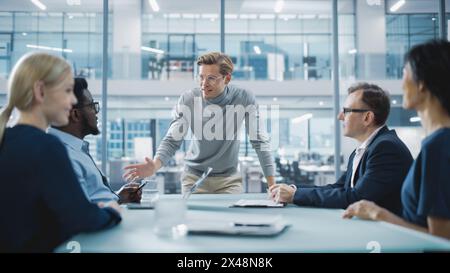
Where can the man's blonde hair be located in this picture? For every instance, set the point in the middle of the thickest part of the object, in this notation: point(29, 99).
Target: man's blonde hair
point(222, 60)
point(30, 68)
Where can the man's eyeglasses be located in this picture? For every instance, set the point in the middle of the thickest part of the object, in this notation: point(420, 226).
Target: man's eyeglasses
point(355, 110)
point(94, 105)
point(209, 79)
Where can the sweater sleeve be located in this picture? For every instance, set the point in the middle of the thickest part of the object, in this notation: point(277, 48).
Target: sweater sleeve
point(258, 136)
point(177, 131)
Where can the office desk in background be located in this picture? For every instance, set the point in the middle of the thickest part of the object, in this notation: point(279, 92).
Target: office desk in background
point(311, 230)
point(323, 175)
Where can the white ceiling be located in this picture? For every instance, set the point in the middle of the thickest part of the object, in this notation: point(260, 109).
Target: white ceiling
point(418, 6)
point(52, 5)
point(209, 6)
point(198, 6)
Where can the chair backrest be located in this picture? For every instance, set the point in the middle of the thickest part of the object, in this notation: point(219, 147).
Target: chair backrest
point(295, 168)
point(278, 164)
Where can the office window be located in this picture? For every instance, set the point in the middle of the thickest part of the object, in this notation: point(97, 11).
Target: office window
point(179, 32)
point(6, 22)
point(294, 44)
point(76, 36)
point(403, 32)
point(411, 24)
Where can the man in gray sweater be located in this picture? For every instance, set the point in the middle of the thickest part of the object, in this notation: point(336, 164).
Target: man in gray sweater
point(213, 114)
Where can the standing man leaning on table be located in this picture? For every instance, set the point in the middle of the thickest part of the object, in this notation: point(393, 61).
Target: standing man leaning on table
point(375, 170)
point(220, 153)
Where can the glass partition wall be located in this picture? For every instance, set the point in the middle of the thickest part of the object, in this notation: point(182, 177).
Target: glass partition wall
point(282, 51)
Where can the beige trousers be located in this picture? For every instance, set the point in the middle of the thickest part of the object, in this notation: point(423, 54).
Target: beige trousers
point(213, 184)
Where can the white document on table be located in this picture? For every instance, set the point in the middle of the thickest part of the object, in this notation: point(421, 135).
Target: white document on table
point(260, 203)
point(233, 224)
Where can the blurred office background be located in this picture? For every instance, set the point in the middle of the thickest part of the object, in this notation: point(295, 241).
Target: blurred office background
point(282, 50)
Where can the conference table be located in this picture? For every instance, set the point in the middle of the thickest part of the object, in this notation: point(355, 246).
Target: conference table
point(309, 230)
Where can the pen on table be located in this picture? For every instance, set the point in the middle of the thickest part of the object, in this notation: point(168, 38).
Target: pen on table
point(250, 225)
point(198, 183)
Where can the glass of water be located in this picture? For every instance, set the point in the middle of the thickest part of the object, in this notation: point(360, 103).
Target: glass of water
point(170, 218)
point(150, 193)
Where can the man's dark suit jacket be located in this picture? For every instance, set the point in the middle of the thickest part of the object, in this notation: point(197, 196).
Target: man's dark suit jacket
point(379, 177)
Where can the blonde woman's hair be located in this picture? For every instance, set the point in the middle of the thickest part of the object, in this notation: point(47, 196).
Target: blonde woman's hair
point(30, 68)
point(222, 60)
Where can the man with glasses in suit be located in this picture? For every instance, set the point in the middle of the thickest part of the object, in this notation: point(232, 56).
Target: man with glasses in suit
point(83, 122)
point(376, 169)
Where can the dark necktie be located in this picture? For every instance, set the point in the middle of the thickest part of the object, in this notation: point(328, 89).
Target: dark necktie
point(85, 149)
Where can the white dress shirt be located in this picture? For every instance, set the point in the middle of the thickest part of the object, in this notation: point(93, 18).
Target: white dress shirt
point(359, 152)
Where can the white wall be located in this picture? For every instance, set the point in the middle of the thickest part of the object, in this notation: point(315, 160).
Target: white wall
point(126, 42)
point(412, 137)
point(371, 40)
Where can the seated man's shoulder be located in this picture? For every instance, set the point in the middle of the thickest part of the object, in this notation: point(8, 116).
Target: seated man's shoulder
point(79, 167)
point(389, 135)
point(389, 141)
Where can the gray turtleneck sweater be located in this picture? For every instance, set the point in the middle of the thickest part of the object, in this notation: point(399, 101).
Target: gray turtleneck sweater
point(214, 130)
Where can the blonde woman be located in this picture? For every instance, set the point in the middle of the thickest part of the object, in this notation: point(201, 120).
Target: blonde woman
point(42, 199)
point(426, 189)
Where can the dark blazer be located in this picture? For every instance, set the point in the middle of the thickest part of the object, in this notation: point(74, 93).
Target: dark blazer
point(42, 200)
point(379, 177)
